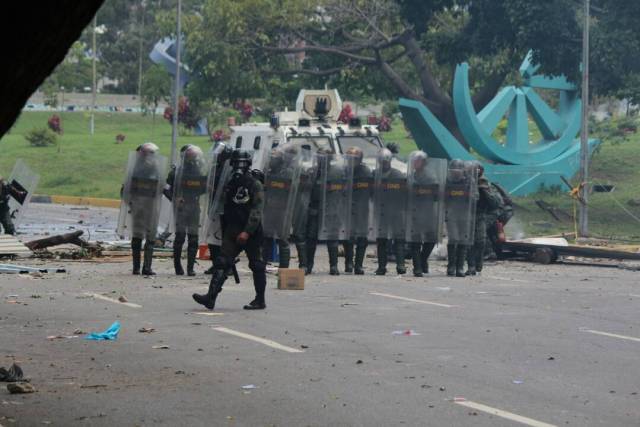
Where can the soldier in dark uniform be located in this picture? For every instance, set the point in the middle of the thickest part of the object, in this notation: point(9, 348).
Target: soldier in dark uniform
point(7, 190)
point(301, 213)
point(140, 205)
point(487, 201)
point(458, 199)
point(242, 231)
point(361, 197)
point(390, 208)
point(497, 219)
point(188, 182)
point(313, 213)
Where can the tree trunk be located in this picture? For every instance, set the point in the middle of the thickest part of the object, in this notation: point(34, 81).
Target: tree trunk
point(61, 239)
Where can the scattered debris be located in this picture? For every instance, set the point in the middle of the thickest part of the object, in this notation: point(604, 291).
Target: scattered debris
point(110, 334)
point(93, 386)
point(518, 382)
point(249, 387)
point(13, 374)
point(408, 333)
point(359, 362)
point(20, 388)
point(60, 337)
point(146, 330)
point(93, 249)
point(161, 347)
point(122, 298)
point(79, 332)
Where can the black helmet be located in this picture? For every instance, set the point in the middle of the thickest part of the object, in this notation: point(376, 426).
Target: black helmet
point(241, 159)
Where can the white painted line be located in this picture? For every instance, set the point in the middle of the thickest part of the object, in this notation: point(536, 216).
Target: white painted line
point(607, 334)
point(264, 341)
point(115, 301)
point(506, 279)
point(208, 313)
point(503, 414)
point(420, 301)
point(634, 295)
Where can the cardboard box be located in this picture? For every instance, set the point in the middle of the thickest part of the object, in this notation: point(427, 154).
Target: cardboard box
point(291, 279)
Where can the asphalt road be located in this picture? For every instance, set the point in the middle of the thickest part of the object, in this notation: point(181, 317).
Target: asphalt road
point(522, 344)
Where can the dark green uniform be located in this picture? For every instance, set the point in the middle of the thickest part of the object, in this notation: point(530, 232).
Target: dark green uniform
point(301, 215)
point(359, 229)
point(313, 221)
point(487, 201)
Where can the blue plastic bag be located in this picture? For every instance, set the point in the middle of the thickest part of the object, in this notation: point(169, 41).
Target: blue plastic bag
point(109, 334)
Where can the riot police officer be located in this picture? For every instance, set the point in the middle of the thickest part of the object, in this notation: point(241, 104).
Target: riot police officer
point(301, 210)
point(390, 203)
point(487, 201)
point(8, 190)
point(460, 199)
point(426, 178)
point(361, 193)
point(241, 231)
point(140, 207)
point(188, 181)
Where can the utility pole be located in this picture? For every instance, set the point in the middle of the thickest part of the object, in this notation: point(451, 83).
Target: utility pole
point(176, 91)
point(583, 230)
point(93, 66)
point(141, 35)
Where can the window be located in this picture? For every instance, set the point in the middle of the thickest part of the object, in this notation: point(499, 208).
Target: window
point(370, 145)
point(313, 143)
point(256, 143)
point(239, 142)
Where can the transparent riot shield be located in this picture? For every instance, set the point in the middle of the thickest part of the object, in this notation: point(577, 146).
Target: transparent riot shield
point(190, 196)
point(213, 225)
point(461, 197)
point(361, 198)
point(24, 182)
point(308, 177)
point(282, 170)
point(426, 178)
point(390, 199)
point(335, 196)
point(142, 195)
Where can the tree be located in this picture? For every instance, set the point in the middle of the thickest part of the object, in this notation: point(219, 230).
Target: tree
point(156, 88)
point(74, 73)
point(396, 48)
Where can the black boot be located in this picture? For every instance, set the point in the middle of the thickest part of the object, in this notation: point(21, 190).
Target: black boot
point(332, 248)
point(361, 251)
point(311, 255)
point(260, 285)
point(451, 260)
point(348, 256)
point(148, 258)
point(461, 252)
point(400, 253)
point(192, 251)
point(285, 253)
point(425, 253)
point(382, 257)
point(136, 251)
point(417, 259)
point(471, 261)
point(301, 248)
point(178, 243)
point(215, 287)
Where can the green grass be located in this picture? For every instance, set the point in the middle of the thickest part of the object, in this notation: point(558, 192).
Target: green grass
point(82, 165)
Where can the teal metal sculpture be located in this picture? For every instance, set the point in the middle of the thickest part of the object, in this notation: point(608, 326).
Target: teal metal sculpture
point(519, 164)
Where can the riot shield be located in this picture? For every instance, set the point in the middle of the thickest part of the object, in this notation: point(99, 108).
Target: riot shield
point(213, 226)
point(390, 199)
point(361, 198)
point(141, 195)
point(308, 176)
point(335, 196)
point(461, 196)
point(426, 178)
point(282, 177)
point(190, 196)
point(24, 181)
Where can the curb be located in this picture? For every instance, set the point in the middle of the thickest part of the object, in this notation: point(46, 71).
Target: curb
point(75, 200)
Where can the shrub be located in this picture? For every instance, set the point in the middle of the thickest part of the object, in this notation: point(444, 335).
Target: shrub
point(390, 108)
point(55, 124)
point(187, 116)
point(219, 135)
point(120, 138)
point(384, 124)
point(41, 137)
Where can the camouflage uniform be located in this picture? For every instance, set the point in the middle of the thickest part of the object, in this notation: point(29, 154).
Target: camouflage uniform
point(488, 201)
point(5, 213)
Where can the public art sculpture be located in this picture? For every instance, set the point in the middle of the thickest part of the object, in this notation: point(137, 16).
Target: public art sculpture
point(520, 165)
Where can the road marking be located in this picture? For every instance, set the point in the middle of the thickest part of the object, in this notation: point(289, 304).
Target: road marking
point(634, 295)
point(208, 313)
point(506, 279)
point(264, 341)
point(102, 297)
point(503, 414)
point(607, 334)
point(421, 301)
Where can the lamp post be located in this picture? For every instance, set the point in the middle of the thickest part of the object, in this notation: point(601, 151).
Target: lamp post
point(583, 213)
point(176, 91)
